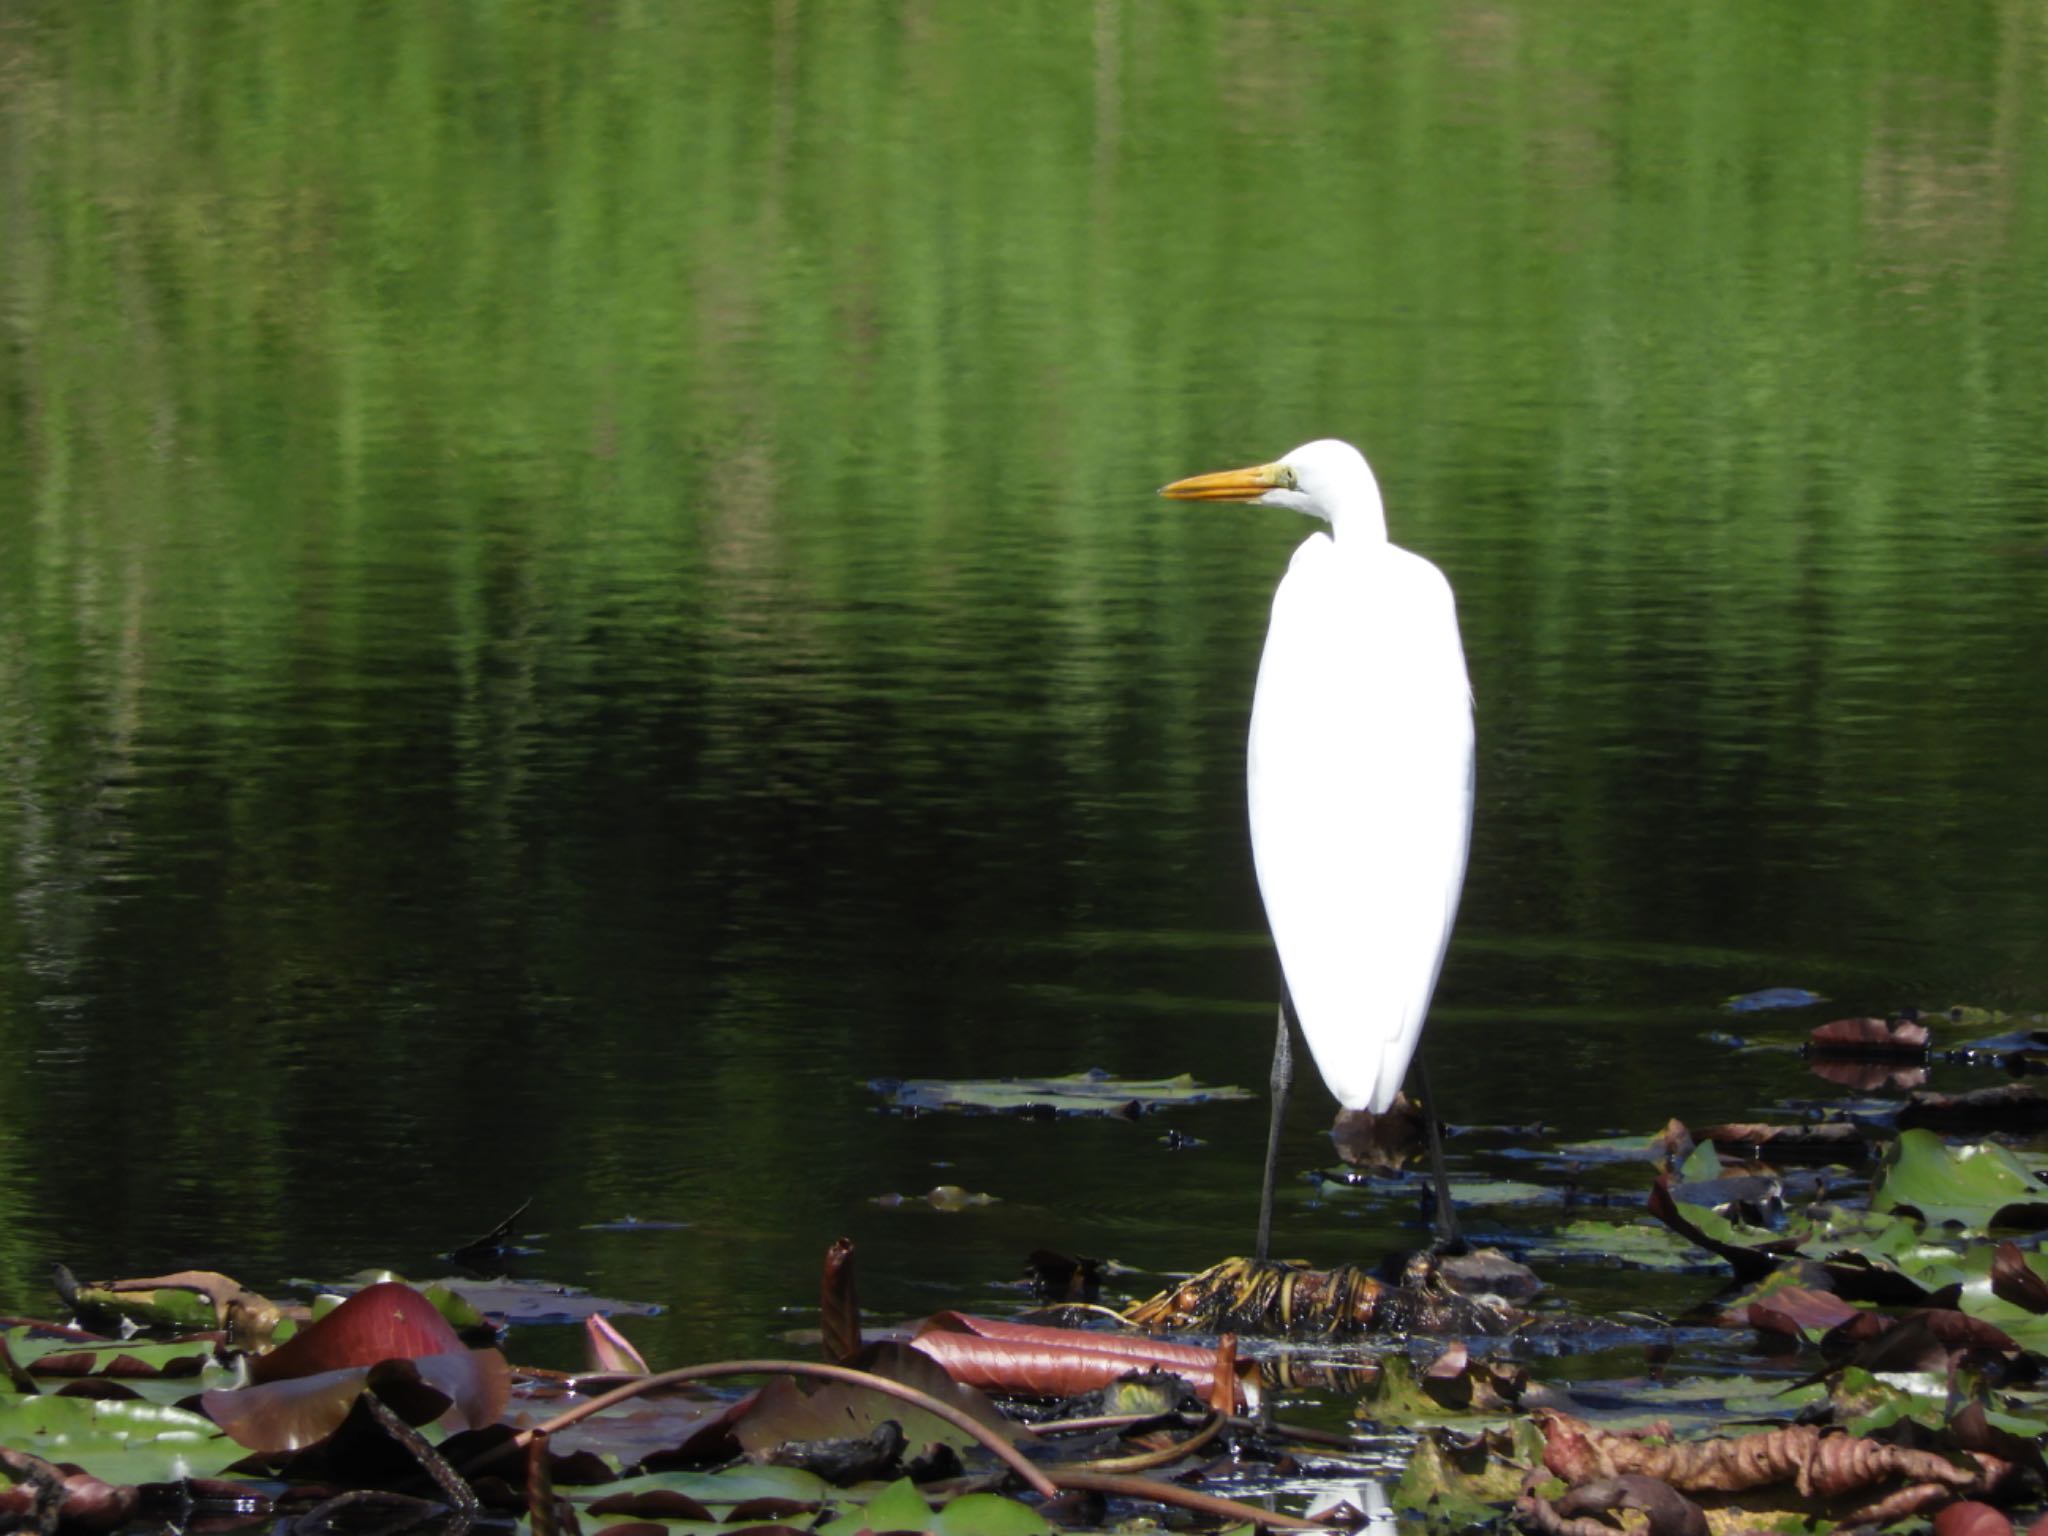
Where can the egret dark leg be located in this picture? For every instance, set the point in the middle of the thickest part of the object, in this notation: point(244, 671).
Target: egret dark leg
point(1448, 1238)
point(1282, 1081)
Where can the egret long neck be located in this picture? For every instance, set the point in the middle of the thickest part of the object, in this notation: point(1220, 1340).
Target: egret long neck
point(1358, 520)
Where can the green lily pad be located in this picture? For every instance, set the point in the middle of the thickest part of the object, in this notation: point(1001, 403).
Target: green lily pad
point(1977, 1186)
point(1458, 1482)
point(898, 1507)
point(119, 1441)
point(1703, 1165)
point(1083, 1093)
point(1634, 1244)
point(735, 1485)
point(989, 1514)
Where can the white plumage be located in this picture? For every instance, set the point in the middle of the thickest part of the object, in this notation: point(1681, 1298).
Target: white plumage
point(1360, 770)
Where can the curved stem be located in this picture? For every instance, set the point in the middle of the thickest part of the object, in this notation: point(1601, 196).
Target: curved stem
point(1144, 1461)
point(1007, 1453)
point(1185, 1498)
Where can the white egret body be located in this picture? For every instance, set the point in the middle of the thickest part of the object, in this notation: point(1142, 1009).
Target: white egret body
point(1360, 770)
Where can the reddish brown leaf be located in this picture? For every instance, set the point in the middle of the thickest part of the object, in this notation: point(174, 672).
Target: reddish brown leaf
point(386, 1321)
point(1826, 1464)
point(1833, 1139)
point(468, 1390)
point(1034, 1360)
point(1793, 1310)
point(1223, 1386)
point(1971, 1518)
point(1669, 1512)
point(839, 1304)
point(1896, 1075)
point(1869, 1037)
point(2014, 1280)
point(1749, 1263)
point(76, 1500)
point(1449, 1365)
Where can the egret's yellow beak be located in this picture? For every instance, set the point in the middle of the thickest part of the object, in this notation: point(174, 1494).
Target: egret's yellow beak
point(1231, 484)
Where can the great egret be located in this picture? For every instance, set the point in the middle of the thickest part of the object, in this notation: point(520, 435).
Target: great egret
point(1361, 779)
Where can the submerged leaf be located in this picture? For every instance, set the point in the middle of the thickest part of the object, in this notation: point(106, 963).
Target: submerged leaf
point(1084, 1093)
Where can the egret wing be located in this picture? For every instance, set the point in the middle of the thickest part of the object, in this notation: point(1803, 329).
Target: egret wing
point(1361, 783)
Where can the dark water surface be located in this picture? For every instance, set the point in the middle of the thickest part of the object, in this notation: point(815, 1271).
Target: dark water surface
point(577, 581)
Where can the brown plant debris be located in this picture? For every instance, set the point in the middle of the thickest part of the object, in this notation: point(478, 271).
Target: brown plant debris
point(1581, 1511)
point(1820, 1468)
point(1266, 1297)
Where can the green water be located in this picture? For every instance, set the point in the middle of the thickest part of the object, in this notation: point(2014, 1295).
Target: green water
point(579, 579)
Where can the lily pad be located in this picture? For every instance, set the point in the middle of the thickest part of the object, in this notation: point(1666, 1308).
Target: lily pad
point(1976, 1187)
point(1083, 1093)
point(1772, 997)
point(721, 1490)
point(120, 1441)
point(1629, 1244)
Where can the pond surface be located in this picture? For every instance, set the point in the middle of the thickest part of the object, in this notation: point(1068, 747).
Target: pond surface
point(580, 582)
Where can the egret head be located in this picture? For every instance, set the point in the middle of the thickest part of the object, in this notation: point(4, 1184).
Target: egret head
point(1325, 479)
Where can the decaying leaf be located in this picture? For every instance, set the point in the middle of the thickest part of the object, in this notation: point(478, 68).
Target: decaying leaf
point(1385, 1141)
point(1033, 1360)
point(1753, 1255)
point(1829, 1140)
point(787, 1410)
point(839, 1304)
point(1869, 1037)
point(1268, 1297)
point(2013, 1279)
point(1849, 1477)
point(46, 1496)
point(189, 1299)
point(303, 1390)
point(1799, 1312)
point(1583, 1511)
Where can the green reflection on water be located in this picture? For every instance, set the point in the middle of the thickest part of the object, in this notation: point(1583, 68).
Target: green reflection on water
point(574, 578)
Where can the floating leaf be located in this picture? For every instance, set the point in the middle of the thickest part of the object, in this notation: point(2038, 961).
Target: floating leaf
point(1977, 1187)
point(1829, 1140)
point(463, 1389)
point(1772, 997)
point(2017, 1278)
point(1084, 1093)
point(1034, 1360)
point(542, 1301)
point(1869, 1037)
point(942, 1197)
point(1750, 1251)
point(386, 1321)
point(120, 1441)
point(989, 1514)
